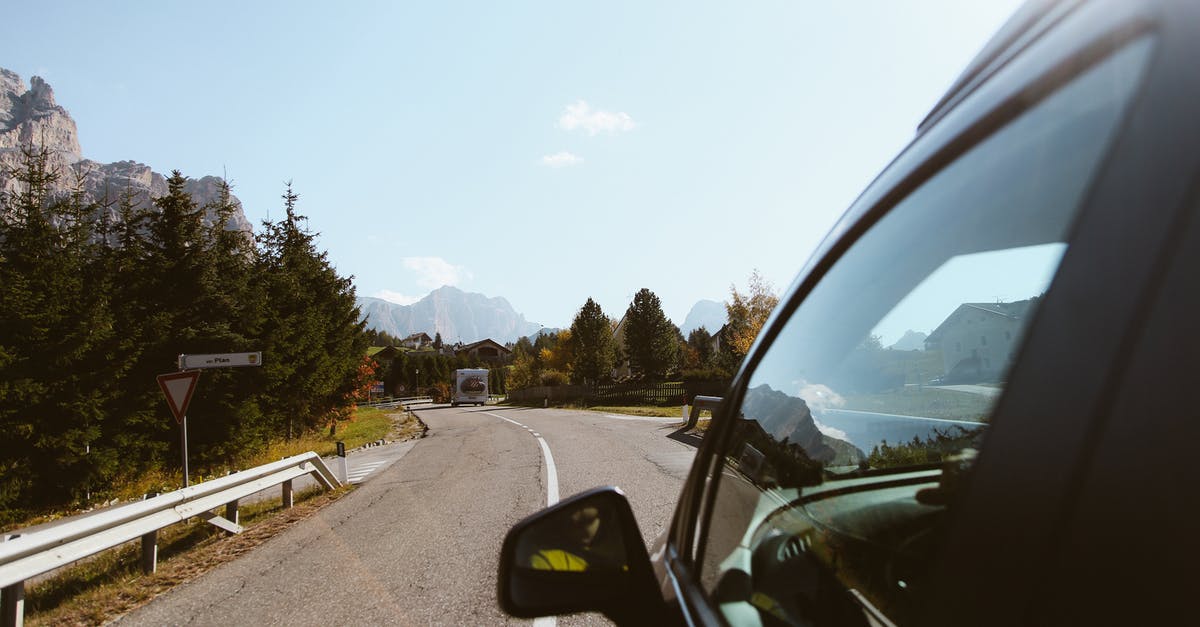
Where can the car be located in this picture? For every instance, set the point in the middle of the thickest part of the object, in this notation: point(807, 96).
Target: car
point(1043, 228)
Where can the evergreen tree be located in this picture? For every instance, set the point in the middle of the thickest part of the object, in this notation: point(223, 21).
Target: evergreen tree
point(700, 341)
point(53, 326)
point(139, 429)
point(232, 317)
point(313, 337)
point(593, 348)
point(169, 291)
point(650, 338)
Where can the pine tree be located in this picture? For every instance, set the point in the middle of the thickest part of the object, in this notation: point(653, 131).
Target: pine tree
point(232, 319)
point(699, 340)
point(313, 336)
point(53, 323)
point(593, 349)
point(650, 338)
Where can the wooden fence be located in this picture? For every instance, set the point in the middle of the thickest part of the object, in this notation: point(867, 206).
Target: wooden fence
point(610, 394)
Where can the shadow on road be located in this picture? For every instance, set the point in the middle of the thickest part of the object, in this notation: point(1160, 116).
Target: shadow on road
point(691, 438)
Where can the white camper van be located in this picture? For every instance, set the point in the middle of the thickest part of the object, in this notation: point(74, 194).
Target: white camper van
point(470, 386)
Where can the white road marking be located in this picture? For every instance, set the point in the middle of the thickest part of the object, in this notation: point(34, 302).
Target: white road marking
point(551, 494)
point(551, 469)
point(551, 474)
point(360, 472)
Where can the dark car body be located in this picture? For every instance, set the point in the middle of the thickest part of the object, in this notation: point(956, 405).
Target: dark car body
point(1062, 490)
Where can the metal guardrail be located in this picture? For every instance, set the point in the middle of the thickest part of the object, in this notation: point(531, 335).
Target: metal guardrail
point(24, 556)
point(711, 403)
point(390, 403)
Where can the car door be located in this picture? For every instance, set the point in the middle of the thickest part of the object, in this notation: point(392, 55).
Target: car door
point(843, 467)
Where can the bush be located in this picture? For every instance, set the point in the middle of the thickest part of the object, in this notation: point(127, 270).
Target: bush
point(554, 378)
point(706, 374)
point(439, 392)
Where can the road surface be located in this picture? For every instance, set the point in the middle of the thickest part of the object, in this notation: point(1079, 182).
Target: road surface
point(417, 543)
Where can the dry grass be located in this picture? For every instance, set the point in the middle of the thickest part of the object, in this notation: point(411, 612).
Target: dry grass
point(112, 584)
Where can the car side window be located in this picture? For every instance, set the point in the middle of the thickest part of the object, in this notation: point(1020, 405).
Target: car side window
point(856, 426)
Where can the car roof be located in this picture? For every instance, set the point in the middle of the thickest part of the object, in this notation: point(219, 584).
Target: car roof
point(1030, 20)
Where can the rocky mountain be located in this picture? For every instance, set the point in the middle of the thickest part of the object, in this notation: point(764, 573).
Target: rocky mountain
point(706, 313)
point(459, 316)
point(31, 117)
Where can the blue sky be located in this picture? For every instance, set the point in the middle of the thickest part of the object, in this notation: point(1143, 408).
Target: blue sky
point(544, 152)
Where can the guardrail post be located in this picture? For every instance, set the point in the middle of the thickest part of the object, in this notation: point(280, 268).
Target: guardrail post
point(699, 404)
point(343, 469)
point(287, 494)
point(231, 508)
point(12, 600)
point(150, 546)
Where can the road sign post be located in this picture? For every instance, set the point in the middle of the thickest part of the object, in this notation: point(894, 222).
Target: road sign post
point(178, 387)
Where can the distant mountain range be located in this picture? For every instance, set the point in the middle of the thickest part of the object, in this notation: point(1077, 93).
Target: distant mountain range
point(459, 316)
point(469, 317)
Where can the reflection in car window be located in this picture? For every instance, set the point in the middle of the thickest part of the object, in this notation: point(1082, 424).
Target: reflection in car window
point(857, 425)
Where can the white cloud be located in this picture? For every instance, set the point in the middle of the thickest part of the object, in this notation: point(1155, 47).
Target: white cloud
point(561, 160)
point(396, 297)
point(580, 115)
point(434, 272)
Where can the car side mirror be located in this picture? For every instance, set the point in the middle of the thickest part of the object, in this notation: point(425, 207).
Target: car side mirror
point(584, 554)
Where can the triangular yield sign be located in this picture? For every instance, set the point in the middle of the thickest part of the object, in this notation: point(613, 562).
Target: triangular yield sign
point(178, 388)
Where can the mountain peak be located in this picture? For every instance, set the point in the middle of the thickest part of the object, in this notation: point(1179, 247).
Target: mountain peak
point(709, 314)
point(32, 117)
point(459, 316)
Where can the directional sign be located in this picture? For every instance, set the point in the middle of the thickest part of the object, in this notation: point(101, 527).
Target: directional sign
point(178, 388)
point(222, 360)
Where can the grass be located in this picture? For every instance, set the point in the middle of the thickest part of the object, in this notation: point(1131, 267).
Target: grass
point(111, 584)
point(368, 424)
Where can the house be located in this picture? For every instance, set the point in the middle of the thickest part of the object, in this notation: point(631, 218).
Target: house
point(417, 341)
point(714, 341)
point(485, 350)
point(978, 340)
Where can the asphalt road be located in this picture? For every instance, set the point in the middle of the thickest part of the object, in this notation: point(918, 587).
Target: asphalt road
point(417, 543)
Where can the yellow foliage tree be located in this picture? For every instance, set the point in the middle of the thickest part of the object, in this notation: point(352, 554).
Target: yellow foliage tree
point(747, 313)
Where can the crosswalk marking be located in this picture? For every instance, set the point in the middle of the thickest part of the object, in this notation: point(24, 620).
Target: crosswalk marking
point(360, 472)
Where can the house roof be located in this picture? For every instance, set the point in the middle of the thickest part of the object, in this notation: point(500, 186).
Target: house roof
point(1012, 311)
point(419, 336)
point(487, 342)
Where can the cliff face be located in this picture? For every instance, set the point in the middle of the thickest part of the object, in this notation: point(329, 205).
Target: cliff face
point(457, 315)
point(31, 117)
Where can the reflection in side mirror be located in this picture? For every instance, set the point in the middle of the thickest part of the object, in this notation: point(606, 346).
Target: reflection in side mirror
point(583, 554)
